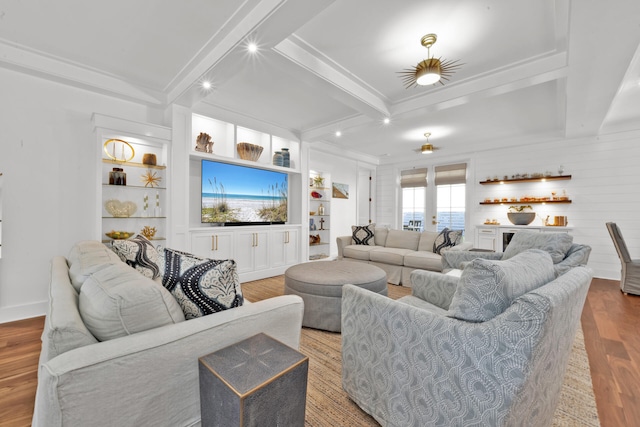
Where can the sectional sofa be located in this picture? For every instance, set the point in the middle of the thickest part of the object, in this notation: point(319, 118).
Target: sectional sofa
point(140, 365)
point(398, 252)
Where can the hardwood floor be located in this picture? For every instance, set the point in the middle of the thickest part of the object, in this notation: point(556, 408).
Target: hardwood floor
point(610, 321)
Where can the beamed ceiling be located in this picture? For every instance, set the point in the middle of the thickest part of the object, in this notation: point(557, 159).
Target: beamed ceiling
point(533, 70)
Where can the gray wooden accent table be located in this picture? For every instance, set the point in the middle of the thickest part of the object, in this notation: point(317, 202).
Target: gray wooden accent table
point(256, 382)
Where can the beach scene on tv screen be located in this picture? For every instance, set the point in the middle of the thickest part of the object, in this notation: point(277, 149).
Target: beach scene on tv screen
point(233, 193)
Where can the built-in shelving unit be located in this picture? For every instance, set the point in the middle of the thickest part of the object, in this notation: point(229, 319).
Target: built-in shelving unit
point(143, 201)
point(319, 215)
point(260, 250)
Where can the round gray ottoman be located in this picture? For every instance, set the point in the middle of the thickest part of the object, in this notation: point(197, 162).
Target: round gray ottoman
point(320, 286)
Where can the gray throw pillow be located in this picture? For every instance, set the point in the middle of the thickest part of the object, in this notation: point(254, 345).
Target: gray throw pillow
point(556, 244)
point(488, 287)
point(118, 301)
point(201, 286)
point(363, 234)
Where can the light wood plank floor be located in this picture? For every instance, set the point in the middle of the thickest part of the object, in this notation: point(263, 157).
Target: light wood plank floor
point(610, 321)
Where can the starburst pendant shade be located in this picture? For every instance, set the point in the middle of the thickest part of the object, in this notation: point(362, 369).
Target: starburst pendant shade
point(429, 71)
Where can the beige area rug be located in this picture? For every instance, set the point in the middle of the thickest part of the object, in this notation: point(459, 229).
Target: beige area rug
point(328, 405)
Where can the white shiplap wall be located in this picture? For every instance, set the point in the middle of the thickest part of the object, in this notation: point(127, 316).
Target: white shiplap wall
point(605, 186)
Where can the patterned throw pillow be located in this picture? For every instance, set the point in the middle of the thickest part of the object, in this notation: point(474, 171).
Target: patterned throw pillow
point(446, 239)
point(140, 254)
point(363, 234)
point(488, 287)
point(201, 286)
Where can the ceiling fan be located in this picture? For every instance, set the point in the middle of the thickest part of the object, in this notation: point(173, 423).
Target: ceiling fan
point(427, 148)
point(431, 70)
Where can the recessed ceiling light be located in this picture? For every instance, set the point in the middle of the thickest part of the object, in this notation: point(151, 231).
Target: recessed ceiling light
point(206, 84)
point(386, 120)
point(338, 133)
point(252, 47)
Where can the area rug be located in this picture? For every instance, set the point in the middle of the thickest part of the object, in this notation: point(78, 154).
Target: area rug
point(328, 405)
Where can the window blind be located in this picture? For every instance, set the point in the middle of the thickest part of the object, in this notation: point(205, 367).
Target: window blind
point(413, 178)
point(451, 174)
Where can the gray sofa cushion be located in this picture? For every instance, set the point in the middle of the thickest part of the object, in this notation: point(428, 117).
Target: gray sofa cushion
point(403, 239)
point(360, 252)
point(393, 256)
point(427, 238)
point(87, 257)
point(118, 301)
point(423, 260)
point(487, 288)
point(380, 236)
point(556, 244)
point(64, 329)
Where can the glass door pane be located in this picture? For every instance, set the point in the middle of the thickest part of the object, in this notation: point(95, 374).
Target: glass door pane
point(451, 206)
point(413, 208)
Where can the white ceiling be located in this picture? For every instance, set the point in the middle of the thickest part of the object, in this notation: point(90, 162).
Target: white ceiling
point(532, 69)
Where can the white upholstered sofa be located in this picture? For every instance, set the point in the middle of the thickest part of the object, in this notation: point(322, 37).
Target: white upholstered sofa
point(397, 252)
point(146, 377)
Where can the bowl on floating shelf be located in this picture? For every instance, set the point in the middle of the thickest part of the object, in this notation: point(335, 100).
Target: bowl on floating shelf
point(521, 218)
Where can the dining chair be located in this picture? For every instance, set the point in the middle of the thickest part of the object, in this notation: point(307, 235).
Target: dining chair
point(630, 276)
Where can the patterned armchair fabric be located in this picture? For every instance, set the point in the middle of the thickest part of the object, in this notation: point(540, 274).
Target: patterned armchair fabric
point(564, 253)
point(407, 366)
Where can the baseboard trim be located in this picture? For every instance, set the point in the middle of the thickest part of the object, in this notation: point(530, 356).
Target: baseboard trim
point(19, 312)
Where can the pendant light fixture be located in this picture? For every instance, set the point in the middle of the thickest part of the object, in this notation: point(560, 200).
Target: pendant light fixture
point(431, 70)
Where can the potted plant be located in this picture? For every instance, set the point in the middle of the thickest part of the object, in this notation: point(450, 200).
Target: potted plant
point(520, 215)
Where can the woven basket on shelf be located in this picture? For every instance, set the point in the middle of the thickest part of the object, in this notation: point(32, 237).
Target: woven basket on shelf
point(248, 151)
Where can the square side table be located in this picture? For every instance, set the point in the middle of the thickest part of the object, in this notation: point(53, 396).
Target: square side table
point(255, 382)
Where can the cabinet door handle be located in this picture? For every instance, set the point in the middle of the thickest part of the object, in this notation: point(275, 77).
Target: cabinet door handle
point(213, 242)
point(257, 242)
point(216, 242)
point(286, 237)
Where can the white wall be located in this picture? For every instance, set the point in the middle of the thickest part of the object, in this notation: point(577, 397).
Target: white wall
point(604, 187)
point(47, 156)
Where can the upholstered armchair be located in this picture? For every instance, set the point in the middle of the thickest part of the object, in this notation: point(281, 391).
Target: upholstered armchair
point(564, 253)
point(414, 362)
point(630, 272)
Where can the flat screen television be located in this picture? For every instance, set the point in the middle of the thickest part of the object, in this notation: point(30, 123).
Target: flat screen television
point(242, 195)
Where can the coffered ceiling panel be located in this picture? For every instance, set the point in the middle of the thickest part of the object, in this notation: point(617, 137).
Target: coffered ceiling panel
point(531, 70)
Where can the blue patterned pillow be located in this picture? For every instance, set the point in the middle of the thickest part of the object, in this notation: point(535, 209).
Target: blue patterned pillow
point(446, 239)
point(201, 286)
point(488, 287)
point(363, 234)
point(139, 253)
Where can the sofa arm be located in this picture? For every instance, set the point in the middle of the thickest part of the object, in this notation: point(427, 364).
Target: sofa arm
point(434, 288)
point(151, 378)
point(342, 242)
point(454, 259)
point(577, 255)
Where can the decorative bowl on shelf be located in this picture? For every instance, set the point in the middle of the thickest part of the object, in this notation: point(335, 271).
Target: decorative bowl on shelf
point(119, 235)
point(312, 212)
point(521, 218)
point(248, 151)
point(120, 209)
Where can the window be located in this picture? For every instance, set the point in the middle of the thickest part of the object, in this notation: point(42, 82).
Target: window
point(414, 184)
point(450, 183)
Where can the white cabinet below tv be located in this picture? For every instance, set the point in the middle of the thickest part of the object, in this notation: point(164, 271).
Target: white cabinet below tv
point(260, 251)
